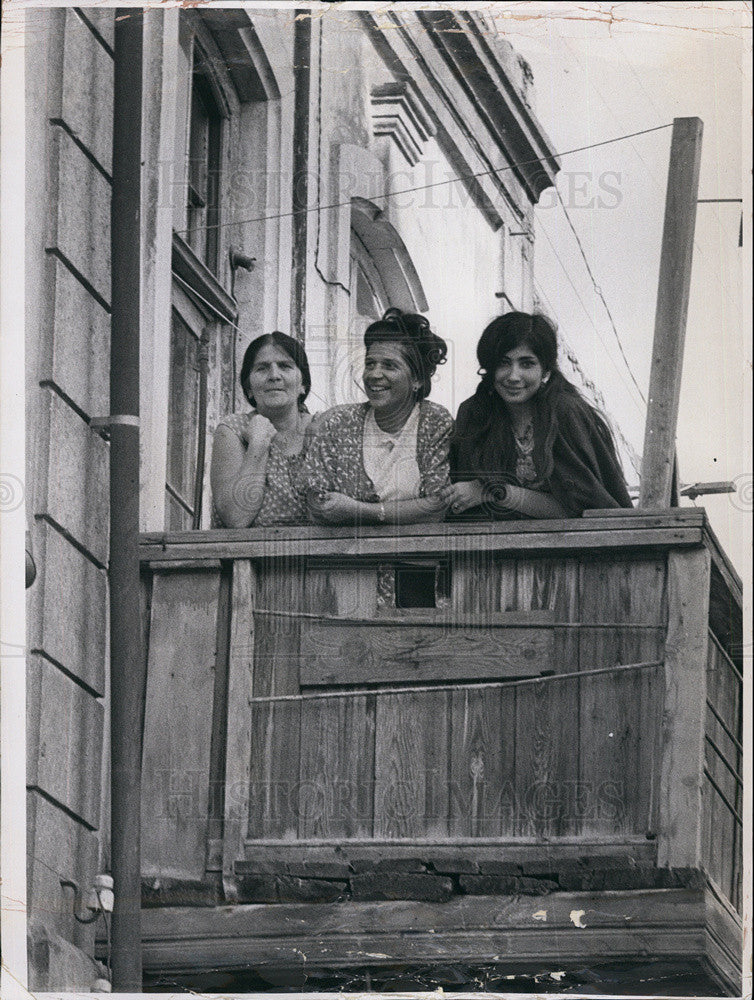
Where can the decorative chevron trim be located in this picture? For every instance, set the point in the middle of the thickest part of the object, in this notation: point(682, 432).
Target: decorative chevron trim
point(398, 112)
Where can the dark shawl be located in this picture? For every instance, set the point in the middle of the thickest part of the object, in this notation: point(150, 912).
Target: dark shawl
point(586, 473)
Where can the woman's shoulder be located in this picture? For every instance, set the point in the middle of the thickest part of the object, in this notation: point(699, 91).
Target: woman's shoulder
point(471, 415)
point(575, 415)
point(236, 422)
point(467, 408)
point(344, 415)
point(434, 413)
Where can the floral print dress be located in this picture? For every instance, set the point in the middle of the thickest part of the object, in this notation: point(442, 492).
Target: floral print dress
point(282, 503)
point(334, 460)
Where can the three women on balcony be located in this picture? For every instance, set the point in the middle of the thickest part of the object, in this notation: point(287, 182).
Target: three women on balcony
point(527, 443)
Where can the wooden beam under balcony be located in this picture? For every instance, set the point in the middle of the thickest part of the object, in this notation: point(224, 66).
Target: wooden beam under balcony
point(560, 932)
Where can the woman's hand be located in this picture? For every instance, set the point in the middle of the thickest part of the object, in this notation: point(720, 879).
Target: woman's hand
point(462, 496)
point(333, 508)
point(258, 433)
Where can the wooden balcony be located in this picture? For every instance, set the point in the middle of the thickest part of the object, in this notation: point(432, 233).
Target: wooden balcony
point(510, 746)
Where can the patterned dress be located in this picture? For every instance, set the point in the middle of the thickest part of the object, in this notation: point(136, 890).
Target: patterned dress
point(281, 502)
point(334, 460)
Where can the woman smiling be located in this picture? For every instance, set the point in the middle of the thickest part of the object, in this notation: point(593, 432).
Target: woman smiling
point(527, 443)
point(385, 461)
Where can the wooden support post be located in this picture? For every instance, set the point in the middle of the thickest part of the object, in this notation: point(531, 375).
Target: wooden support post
point(238, 742)
point(670, 316)
point(679, 842)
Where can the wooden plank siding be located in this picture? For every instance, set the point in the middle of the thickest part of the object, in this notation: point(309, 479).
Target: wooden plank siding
point(481, 771)
point(547, 715)
point(368, 653)
point(68, 251)
point(276, 727)
point(620, 716)
point(722, 790)
point(178, 726)
point(336, 789)
point(461, 763)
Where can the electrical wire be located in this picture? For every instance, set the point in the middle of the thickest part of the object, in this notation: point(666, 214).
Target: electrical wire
point(600, 294)
point(638, 406)
point(424, 187)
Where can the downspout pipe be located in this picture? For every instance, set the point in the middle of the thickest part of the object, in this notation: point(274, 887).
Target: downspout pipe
point(302, 55)
point(127, 665)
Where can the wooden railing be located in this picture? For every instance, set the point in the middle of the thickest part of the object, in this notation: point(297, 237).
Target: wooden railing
point(451, 688)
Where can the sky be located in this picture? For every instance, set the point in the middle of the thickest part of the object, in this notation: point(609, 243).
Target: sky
point(602, 71)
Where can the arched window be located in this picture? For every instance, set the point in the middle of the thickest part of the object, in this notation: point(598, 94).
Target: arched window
point(382, 275)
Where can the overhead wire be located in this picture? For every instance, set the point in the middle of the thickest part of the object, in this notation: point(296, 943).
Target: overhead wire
point(654, 180)
point(587, 313)
point(424, 187)
point(600, 294)
point(318, 208)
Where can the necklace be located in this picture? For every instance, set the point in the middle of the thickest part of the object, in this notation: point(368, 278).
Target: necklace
point(290, 440)
point(525, 438)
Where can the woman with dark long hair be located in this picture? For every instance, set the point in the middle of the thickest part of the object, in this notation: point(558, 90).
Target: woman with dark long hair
point(254, 454)
point(384, 461)
point(527, 443)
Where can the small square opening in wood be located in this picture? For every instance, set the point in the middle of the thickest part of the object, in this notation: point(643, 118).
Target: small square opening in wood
point(420, 585)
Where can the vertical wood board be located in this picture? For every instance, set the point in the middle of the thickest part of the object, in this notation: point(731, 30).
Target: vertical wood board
point(275, 739)
point(336, 791)
point(178, 724)
point(411, 765)
point(482, 762)
point(547, 721)
point(679, 842)
point(238, 735)
point(670, 317)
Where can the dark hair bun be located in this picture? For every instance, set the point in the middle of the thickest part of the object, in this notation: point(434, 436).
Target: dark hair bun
point(423, 350)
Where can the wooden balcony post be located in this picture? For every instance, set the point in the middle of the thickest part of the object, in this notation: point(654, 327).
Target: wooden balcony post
point(238, 740)
point(682, 771)
point(658, 458)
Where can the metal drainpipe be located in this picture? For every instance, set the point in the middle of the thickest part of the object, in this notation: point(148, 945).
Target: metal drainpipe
point(126, 661)
point(201, 446)
point(302, 54)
